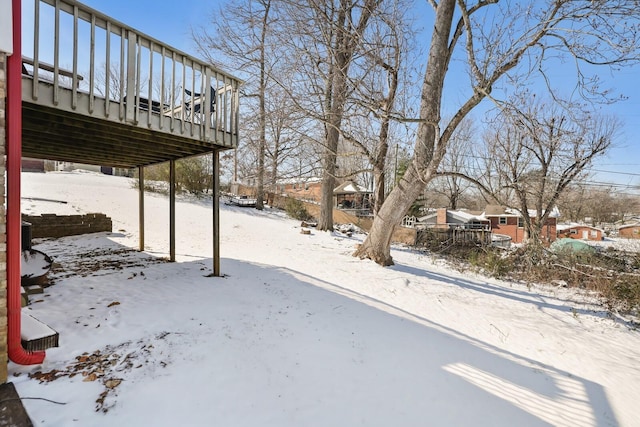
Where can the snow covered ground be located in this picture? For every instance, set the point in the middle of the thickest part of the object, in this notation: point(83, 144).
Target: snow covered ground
point(300, 333)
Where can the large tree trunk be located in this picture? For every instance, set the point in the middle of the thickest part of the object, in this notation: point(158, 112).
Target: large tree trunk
point(263, 111)
point(260, 183)
point(325, 222)
point(427, 154)
point(380, 160)
point(377, 245)
point(348, 39)
point(379, 164)
point(329, 159)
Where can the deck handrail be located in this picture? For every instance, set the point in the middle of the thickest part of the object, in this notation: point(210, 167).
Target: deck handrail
point(111, 62)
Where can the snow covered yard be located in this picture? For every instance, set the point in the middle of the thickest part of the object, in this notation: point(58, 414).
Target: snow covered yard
point(299, 333)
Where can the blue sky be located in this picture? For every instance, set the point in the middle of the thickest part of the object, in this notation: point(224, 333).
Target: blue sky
point(171, 22)
point(167, 21)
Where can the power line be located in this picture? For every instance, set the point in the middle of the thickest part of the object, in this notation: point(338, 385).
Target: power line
point(619, 173)
point(599, 183)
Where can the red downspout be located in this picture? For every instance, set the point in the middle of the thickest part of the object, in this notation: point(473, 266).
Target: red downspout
point(17, 353)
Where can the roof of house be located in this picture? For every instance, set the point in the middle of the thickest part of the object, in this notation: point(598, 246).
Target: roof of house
point(462, 216)
point(494, 210)
point(562, 227)
point(629, 226)
point(349, 187)
point(497, 210)
point(300, 180)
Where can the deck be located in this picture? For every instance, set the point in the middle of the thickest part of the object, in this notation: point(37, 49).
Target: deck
point(122, 98)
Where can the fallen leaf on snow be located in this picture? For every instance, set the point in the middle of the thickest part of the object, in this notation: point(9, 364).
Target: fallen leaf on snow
point(113, 383)
point(91, 377)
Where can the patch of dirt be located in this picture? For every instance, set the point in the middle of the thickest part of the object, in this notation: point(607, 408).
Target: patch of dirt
point(100, 262)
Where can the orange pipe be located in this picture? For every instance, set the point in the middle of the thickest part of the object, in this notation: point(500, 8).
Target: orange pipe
point(17, 353)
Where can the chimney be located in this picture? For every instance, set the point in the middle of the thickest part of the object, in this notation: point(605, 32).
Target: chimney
point(441, 216)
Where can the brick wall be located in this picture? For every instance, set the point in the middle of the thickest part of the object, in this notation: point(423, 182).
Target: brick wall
point(630, 232)
point(3, 228)
point(548, 233)
point(51, 225)
point(510, 229)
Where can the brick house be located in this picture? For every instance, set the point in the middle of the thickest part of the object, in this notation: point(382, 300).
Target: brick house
point(498, 219)
point(631, 231)
point(580, 231)
point(307, 189)
point(443, 218)
point(452, 227)
point(510, 222)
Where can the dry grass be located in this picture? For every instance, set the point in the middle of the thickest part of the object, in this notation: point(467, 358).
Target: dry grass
point(612, 274)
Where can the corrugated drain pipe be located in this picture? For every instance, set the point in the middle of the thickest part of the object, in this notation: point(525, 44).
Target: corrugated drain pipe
point(17, 353)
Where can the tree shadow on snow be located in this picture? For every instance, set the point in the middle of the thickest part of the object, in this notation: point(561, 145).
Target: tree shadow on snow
point(284, 348)
point(381, 365)
point(522, 296)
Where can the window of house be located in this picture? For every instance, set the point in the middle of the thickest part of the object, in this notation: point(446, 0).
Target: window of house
point(521, 222)
point(574, 231)
point(502, 220)
point(594, 233)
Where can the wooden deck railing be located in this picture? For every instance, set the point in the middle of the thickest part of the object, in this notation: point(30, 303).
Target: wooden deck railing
point(83, 61)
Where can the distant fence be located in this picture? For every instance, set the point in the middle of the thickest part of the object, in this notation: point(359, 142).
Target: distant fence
point(453, 236)
point(52, 225)
point(400, 234)
point(501, 241)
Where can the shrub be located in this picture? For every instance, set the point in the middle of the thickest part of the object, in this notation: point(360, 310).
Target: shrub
point(490, 260)
point(613, 275)
point(624, 294)
point(296, 210)
point(193, 175)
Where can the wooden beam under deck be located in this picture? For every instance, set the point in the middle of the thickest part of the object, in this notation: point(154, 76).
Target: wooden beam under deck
point(59, 135)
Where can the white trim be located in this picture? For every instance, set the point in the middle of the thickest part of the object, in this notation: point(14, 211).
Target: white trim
point(6, 27)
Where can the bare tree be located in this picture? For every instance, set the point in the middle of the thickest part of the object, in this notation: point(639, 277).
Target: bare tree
point(327, 38)
point(457, 161)
point(379, 101)
point(538, 150)
point(604, 205)
point(499, 39)
point(625, 204)
point(108, 81)
point(243, 35)
point(285, 133)
point(573, 202)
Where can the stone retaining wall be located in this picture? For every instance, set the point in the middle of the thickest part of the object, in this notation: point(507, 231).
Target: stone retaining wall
point(52, 225)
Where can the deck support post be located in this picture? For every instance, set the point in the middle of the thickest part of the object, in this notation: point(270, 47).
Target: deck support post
point(215, 197)
point(172, 210)
point(141, 205)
